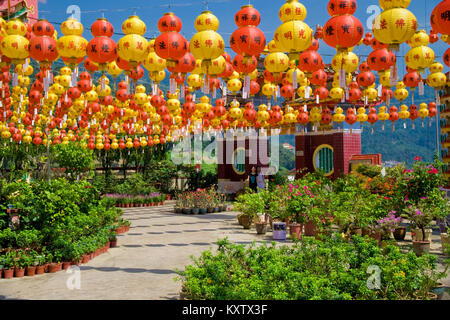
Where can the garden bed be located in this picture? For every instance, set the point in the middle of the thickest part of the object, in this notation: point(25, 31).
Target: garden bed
point(54, 224)
point(133, 201)
point(332, 269)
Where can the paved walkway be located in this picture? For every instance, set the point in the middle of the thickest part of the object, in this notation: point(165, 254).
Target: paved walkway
point(144, 263)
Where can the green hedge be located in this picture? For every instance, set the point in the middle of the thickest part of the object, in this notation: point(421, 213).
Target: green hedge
point(311, 270)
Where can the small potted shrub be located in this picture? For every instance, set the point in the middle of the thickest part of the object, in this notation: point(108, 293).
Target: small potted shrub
point(420, 218)
point(19, 265)
point(8, 265)
point(113, 240)
point(40, 259)
point(250, 204)
point(387, 225)
point(31, 264)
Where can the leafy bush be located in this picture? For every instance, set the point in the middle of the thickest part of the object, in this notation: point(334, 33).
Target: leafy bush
point(311, 270)
point(74, 158)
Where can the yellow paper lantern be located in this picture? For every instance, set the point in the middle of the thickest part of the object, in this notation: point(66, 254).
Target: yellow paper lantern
point(292, 10)
point(15, 46)
point(345, 60)
point(133, 46)
point(206, 44)
point(276, 63)
point(394, 26)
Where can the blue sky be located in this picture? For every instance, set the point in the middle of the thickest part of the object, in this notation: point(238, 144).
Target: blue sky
point(150, 11)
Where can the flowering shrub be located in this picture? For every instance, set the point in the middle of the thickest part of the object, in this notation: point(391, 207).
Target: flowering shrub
point(300, 202)
point(389, 223)
point(201, 198)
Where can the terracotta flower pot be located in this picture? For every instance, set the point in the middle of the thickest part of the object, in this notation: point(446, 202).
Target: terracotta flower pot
point(310, 229)
point(261, 228)
point(399, 233)
point(59, 266)
point(40, 269)
point(246, 221)
point(31, 271)
point(421, 247)
point(8, 273)
point(46, 267)
point(66, 265)
point(85, 258)
point(1, 273)
point(295, 231)
point(445, 242)
point(53, 268)
point(113, 243)
point(76, 262)
point(356, 231)
point(19, 272)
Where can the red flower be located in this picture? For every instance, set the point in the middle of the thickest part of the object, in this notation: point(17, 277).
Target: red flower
point(417, 158)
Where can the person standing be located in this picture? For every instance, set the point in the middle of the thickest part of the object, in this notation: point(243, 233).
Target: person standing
point(260, 180)
point(253, 185)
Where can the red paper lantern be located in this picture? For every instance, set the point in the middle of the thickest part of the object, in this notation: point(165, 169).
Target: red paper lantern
point(365, 79)
point(247, 16)
point(248, 41)
point(310, 61)
point(169, 23)
point(319, 78)
point(322, 92)
point(381, 59)
point(136, 73)
point(412, 79)
point(343, 31)
point(102, 50)
point(287, 91)
point(102, 28)
point(184, 64)
point(339, 7)
point(43, 28)
point(171, 46)
point(244, 65)
point(439, 19)
point(228, 72)
point(254, 87)
point(90, 66)
point(123, 64)
point(447, 57)
point(303, 118)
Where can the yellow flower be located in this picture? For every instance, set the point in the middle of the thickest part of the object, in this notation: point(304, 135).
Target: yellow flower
point(394, 262)
point(209, 281)
point(403, 261)
point(400, 274)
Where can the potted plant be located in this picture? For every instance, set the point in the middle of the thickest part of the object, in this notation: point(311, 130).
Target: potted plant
point(420, 218)
point(260, 224)
point(113, 240)
point(19, 265)
point(31, 264)
point(40, 260)
point(250, 204)
point(7, 261)
point(387, 225)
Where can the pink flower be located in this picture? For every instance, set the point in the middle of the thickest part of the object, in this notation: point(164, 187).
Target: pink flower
point(417, 158)
point(433, 171)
